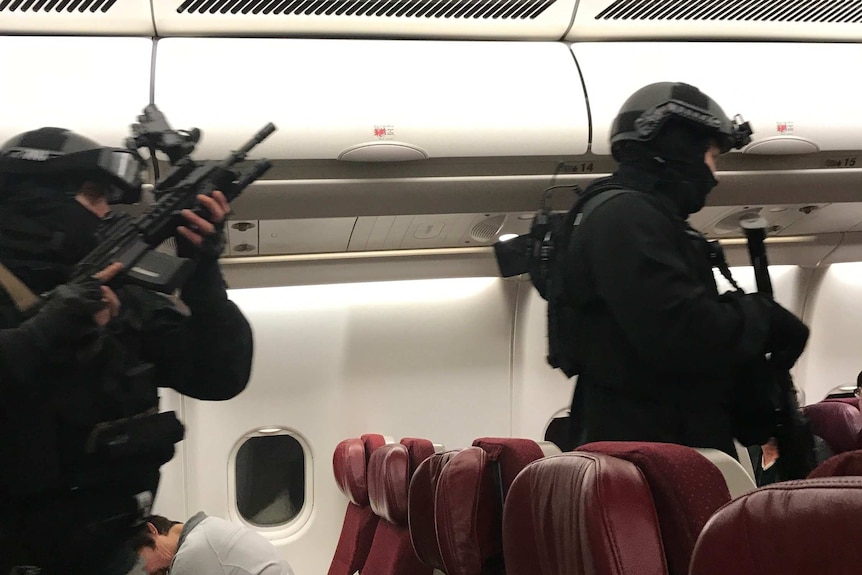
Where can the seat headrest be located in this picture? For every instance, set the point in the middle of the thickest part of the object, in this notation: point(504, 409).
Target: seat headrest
point(851, 401)
point(837, 422)
point(349, 465)
point(511, 454)
point(372, 441)
point(418, 451)
point(468, 513)
point(420, 506)
point(388, 483)
point(581, 513)
point(844, 464)
point(686, 487)
point(792, 528)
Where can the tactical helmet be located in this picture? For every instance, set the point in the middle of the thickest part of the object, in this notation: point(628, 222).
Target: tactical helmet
point(57, 151)
point(643, 115)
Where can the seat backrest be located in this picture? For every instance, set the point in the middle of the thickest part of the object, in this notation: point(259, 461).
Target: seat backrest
point(350, 466)
point(787, 528)
point(844, 464)
point(837, 422)
point(851, 401)
point(738, 481)
point(686, 488)
point(744, 458)
point(420, 508)
point(389, 472)
point(581, 514)
point(511, 454)
point(468, 515)
point(549, 448)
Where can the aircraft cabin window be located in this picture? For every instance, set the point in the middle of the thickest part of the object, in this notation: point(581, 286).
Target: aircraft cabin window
point(270, 479)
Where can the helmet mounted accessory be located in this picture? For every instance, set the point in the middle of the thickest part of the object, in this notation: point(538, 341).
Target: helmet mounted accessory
point(53, 152)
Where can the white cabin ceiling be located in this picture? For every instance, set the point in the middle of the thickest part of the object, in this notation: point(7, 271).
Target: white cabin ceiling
point(572, 20)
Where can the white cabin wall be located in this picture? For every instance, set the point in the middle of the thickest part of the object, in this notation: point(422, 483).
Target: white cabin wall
point(423, 358)
point(447, 359)
point(540, 392)
point(834, 314)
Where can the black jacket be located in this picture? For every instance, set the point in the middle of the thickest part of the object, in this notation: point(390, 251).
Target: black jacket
point(51, 485)
point(657, 344)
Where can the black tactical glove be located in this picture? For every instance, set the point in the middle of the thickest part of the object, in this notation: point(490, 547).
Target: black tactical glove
point(66, 316)
point(210, 249)
point(787, 336)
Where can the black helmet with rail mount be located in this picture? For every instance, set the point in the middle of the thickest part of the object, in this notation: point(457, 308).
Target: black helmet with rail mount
point(58, 151)
point(644, 114)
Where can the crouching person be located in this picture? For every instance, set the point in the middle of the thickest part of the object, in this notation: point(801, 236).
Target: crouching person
point(205, 544)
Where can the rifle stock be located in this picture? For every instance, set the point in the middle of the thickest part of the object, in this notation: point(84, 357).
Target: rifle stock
point(793, 432)
point(133, 241)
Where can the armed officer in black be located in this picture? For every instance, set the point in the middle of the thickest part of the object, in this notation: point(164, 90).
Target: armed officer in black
point(658, 350)
point(82, 436)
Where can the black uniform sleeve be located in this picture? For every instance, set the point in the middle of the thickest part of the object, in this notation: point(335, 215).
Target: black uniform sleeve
point(64, 318)
point(637, 257)
point(20, 360)
point(208, 355)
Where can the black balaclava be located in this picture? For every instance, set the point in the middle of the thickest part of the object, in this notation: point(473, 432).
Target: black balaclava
point(44, 230)
point(671, 164)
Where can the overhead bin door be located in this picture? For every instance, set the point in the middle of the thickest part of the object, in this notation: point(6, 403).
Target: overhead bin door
point(521, 19)
point(799, 98)
point(821, 20)
point(103, 17)
point(94, 86)
point(375, 100)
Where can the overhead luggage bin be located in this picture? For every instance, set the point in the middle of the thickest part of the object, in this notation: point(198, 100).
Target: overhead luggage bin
point(799, 98)
point(103, 17)
point(824, 20)
point(491, 19)
point(94, 86)
point(371, 101)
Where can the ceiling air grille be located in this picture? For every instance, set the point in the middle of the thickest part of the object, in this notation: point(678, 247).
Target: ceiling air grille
point(448, 9)
point(56, 6)
point(831, 11)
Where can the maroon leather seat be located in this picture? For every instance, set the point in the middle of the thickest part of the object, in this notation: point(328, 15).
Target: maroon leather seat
point(851, 401)
point(844, 464)
point(581, 513)
point(350, 464)
point(420, 509)
point(802, 527)
point(389, 471)
point(838, 423)
point(511, 454)
point(468, 515)
point(687, 489)
point(469, 503)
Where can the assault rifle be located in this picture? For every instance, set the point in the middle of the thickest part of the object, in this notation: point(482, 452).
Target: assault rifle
point(133, 240)
point(793, 432)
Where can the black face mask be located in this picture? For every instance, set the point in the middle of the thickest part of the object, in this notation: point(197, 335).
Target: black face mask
point(51, 233)
point(674, 163)
point(686, 184)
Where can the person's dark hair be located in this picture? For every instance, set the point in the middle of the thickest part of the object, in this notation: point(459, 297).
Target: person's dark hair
point(859, 380)
point(142, 537)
